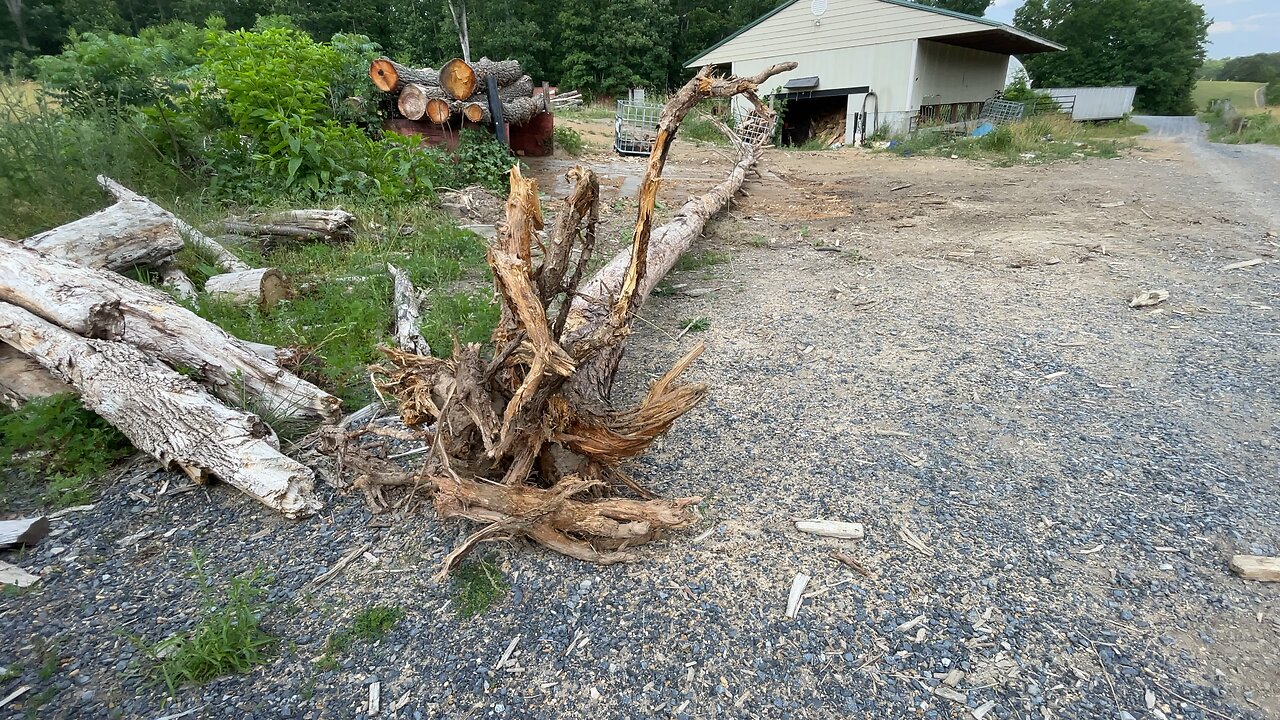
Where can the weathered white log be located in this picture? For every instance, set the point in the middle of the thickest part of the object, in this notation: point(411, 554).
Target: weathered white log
point(219, 254)
point(408, 310)
point(166, 414)
point(133, 231)
point(13, 575)
point(261, 286)
point(23, 379)
point(335, 225)
point(173, 279)
point(832, 528)
point(101, 304)
point(1256, 567)
point(23, 531)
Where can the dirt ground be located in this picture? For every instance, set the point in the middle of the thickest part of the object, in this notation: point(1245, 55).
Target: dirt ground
point(936, 348)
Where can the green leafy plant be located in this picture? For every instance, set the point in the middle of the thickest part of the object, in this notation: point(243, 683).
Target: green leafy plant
point(569, 140)
point(477, 585)
point(482, 160)
point(56, 447)
point(227, 639)
point(698, 324)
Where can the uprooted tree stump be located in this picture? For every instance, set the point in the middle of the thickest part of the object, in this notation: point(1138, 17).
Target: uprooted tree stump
point(527, 439)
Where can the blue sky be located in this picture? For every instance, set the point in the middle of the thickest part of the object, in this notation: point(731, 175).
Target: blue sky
point(1240, 27)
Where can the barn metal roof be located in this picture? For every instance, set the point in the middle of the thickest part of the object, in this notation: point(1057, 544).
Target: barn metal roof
point(1000, 38)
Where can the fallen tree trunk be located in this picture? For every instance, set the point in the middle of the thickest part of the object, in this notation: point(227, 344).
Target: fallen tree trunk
point(176, 281)
point(133, 231)
point(165, 414)
point(520, 88)
point(390, 76)
point(506, 72)
point(101, 304)
point(219, 254)
point(314, 225)
point(264, 287)
point(23, 531)
point(514, 441)
point(408, 312)
point(458, 79)
point(23, 379)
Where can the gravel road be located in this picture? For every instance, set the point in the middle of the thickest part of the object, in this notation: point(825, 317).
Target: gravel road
point(938, 349)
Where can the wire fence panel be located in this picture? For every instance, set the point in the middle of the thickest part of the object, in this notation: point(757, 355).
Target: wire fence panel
point(635, 127)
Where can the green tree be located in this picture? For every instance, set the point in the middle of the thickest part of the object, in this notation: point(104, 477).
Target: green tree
point(1156, 45)
point(613, 45)
point(969, 7)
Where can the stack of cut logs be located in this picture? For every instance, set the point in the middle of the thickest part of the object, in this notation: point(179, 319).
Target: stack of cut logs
point(72, 319)
point(458, 90)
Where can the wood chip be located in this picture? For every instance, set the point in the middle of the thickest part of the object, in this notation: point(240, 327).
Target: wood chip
point(951, 694)
point(982, 710)
point(798, 585)
point(67, 511)
point(1243, 264)
point(1147, 298)
point(1116, 204)
point(1054, 375)
point(953, 677)
point(375, 697)
point(1090, 551)
point(337, 568)
point(506, 654)
point(913, 540)
point(1256, 567)
point(14, 695)
point(832, 528)
point(852, 563)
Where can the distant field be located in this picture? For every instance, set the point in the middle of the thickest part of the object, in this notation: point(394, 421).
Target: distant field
point(21, 93)
point(1241, 94)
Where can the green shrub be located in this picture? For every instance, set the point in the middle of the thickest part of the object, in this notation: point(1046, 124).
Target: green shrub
point(482, 160)
point(569, 140)
point(228, 638)
point(55, 447)
point(998, 140)
point(697, 126)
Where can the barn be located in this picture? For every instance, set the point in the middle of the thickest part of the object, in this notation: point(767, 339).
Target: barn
point(885, 63)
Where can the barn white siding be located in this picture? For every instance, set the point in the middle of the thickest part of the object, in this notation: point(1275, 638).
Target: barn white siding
point(884, 68)
point(845, 23)
point(950, 74)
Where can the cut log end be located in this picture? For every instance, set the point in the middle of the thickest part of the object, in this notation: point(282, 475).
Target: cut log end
point(261, 286)
point(475, 112)
point(458, 79)
point(383, 74)
point(438, 111)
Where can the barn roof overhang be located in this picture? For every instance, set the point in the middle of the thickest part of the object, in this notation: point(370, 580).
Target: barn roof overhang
point(1003, 40)
point(999, 38)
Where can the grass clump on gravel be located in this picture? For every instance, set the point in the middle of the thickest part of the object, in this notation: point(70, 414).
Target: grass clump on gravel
point(370, 625)
point(478, 584)
point(698, 324)
point(1037, 139)
point(51, 449)
point(701, 259)
point(228, 639)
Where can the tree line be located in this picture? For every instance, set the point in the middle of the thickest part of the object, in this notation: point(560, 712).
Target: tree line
point(1260, 68)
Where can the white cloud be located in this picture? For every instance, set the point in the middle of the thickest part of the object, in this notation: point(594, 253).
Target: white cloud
point(1253, 23)
point(1222, 27)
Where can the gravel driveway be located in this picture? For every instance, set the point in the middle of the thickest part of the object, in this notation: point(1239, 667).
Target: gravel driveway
point(952, 362)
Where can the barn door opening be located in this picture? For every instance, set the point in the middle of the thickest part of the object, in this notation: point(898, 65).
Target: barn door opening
point(819, 119)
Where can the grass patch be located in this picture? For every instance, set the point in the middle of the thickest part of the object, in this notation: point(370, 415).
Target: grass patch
point(589, 112)
point(52, 449)
point(698, 126)
point(341, 310)
point(700, 259)
point(228, 638)
point(1116, 129)
point(1262, 127)
point(1241, 94)
point(1039, 139)
point(370, 625)
point(698, 324)
point(477, 585)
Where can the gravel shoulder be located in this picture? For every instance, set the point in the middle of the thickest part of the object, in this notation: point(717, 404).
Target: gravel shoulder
point(953, 359)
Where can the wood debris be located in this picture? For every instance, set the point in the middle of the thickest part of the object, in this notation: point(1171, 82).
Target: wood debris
point(1256, 567)
point(23, 531)
point(832, 529)
point(798, 584)
point(13, 575)
point(910, 538)
point(1148, 298)
point(1243, 264)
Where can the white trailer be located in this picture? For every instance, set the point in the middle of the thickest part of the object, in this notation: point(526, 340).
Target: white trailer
point(1094, 103)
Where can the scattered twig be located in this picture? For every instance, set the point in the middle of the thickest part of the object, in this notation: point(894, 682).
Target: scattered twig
point(341, 564)
point(852, 563)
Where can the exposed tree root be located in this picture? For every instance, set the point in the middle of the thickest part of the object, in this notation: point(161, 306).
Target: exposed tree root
point(528, 441)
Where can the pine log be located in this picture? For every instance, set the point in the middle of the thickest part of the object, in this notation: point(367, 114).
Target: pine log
point(390, 76)
point(519, 111)
point(23, 379)
point(408, 312)
point(413, 99)
point(439, 111)
point(133, 231)
point(219, 254)
point(173, 279)
point(263, 286)
point(459, 79)
point(506, 72)
point(96, 303)
point(166, 414)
